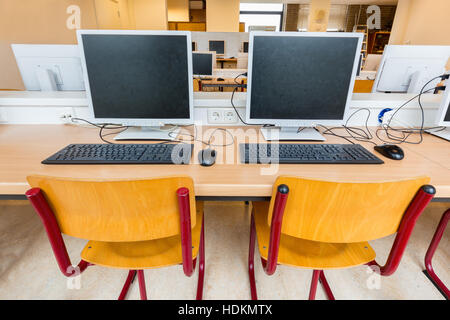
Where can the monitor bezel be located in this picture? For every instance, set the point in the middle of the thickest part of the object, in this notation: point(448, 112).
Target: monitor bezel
point(301, 122)
point(212, 53)
point(443, 108)
point(134, 121)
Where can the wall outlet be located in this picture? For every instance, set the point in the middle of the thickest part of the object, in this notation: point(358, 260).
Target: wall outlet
point(66, 115)
point(222, 116)
point(3, 118)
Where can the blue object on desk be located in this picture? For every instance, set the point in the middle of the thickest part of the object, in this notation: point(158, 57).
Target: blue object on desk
point(381, 114)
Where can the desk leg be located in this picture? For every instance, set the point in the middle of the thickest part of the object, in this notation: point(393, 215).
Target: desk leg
point(429, 272)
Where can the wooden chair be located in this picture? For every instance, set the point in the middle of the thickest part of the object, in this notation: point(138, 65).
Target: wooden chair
point(131, 224)
point(326, 225)
point(429, 271)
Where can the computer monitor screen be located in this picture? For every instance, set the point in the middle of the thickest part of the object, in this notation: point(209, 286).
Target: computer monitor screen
point(311, 82)
point(138, 77)
point(245, 47)
point(217, 46)
point(202, 63)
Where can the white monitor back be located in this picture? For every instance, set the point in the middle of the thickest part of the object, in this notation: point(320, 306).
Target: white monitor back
point(409, 68)
point(60, 63)
point(372, 62)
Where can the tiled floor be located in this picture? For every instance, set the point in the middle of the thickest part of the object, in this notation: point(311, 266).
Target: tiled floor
point(28, 269)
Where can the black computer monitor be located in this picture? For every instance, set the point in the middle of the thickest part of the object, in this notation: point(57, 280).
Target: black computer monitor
point(217, 45)
point(301, 80)
point(131, 76)
point(202, 63)
point(245, 47)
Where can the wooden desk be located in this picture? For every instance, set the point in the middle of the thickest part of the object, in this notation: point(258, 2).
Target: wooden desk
point(223, 60)
point(225, 83)
point(23, 147)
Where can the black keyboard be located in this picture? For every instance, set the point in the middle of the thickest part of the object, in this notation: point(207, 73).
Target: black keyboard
point(286, 153)
point(122, 154)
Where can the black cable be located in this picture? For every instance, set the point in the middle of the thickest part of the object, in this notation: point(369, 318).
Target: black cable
point(209, 142)
point(405, 133)
point(329, 131)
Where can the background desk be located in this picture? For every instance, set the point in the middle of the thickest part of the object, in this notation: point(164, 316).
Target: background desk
point(231, 61)
point(23, 147)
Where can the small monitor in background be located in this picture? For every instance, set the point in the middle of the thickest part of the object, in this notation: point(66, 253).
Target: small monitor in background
point(217, 45)
point(409, 68)
point(49, 67)
point(245, 47)
point(202, 63)
point(194, 46)
point(141, 79)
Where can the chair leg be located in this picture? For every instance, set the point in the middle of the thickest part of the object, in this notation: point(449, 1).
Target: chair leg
point(142, 284)
point(128, 282)
point(314, 280)
point(201, 263)
point(251, 259)
point(429, 272)
point(325, 286)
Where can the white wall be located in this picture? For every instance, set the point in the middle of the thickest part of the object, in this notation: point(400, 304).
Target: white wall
point(46, 107)
point(233, 41)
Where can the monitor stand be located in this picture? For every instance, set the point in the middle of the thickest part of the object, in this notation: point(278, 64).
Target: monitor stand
point(291, 133)
point(444, 134)
point(149, 133)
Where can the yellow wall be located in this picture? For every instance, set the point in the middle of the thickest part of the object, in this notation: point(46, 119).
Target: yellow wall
point(178, 10)
point(222, 15)
point(108, 16)
point(319, 13)
point(36, 21)
point(149, 14)
point(421, 22)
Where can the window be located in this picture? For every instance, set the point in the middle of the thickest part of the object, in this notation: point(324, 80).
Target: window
point(256, 15)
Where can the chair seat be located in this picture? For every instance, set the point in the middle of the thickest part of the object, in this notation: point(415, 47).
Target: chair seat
point(306, 253)
point(140, 255)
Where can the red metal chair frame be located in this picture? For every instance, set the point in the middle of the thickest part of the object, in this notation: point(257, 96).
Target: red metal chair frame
point(41, 206)
point(429, 272)
point(412, 213)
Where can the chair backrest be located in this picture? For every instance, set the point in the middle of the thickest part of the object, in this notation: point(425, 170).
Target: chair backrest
point(341, 212)
point(116, 210)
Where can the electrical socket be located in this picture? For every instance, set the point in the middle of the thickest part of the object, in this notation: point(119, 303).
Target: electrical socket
point(222, 116)
point(3, 118)
point(66, 115)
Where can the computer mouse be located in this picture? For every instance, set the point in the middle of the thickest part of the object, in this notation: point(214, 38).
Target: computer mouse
point(207, 157)
point(220, 79)
point(390, 151)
